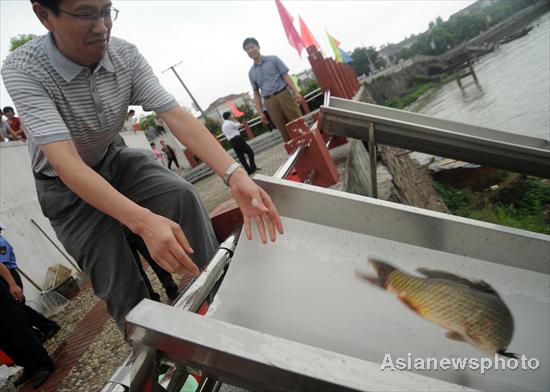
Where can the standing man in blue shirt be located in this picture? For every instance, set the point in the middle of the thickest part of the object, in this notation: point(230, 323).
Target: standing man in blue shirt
point(270, 81)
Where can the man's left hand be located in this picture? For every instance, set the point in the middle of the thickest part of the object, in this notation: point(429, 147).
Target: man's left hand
point(255, 204)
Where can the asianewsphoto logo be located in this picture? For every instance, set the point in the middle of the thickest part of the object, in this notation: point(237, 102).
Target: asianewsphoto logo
point(453, 363)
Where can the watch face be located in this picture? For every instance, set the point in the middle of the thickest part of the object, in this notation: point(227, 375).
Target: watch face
point(3, 250)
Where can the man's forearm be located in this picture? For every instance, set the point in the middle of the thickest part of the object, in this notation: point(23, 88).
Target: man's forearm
point(258, 102)
point(290, 84)
point(6, 275)
point(91, 187)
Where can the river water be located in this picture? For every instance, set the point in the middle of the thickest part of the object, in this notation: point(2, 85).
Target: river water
point(514, 92)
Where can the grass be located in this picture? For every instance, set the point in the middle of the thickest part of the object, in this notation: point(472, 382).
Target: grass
point(422, 85)
point(409, 97)
point(525, 212)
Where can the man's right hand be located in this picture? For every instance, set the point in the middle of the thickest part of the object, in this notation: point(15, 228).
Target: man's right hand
point(263, 118)
point(17, 293)
point(166, 243)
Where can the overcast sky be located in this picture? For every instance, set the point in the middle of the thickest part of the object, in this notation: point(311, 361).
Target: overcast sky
point(207, 35)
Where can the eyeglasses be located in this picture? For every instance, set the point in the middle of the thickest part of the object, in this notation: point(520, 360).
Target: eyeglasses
point(108, 15)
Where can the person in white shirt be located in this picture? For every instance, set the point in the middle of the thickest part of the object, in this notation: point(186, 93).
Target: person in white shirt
point(129, 122)
point(230, 129)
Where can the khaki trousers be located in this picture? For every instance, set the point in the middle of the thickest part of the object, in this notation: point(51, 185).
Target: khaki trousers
point(282, 109)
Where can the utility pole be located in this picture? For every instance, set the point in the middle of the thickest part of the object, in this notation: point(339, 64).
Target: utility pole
point(185, 87)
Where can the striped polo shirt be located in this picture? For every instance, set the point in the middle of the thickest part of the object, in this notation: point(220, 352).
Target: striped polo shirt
point(57, 99)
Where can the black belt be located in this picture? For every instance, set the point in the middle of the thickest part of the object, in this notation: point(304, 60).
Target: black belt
point(42, 177)
point(275, 93)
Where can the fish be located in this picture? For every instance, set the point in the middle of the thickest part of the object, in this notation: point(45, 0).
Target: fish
point(471, 311)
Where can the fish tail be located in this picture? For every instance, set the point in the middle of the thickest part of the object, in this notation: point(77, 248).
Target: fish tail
point(509, 355)
point(383, 270)
point(371, 279)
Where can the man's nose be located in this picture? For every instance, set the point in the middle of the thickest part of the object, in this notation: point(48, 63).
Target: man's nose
point(100, 26)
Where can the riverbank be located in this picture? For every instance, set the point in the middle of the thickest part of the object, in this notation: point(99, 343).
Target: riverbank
point(486, 194)
point(500, 101)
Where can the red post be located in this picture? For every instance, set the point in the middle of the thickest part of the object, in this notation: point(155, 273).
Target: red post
point(320, 68)
point(297, 128)
point(190, 158)
point(249, 133)
point(315, 157)
point(337, 88)
point(225, 218)
point(305, 106)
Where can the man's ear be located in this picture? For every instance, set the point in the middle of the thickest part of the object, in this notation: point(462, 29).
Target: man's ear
point(44, 15)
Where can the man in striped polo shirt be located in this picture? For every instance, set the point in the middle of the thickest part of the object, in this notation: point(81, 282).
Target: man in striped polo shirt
point(72, 88)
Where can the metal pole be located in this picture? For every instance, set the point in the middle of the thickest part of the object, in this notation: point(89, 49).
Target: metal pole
point(185, 87)
point(77, 268)
point(372, 162)
point(288, 165)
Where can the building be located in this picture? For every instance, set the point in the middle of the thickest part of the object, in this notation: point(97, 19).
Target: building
point(219, 106)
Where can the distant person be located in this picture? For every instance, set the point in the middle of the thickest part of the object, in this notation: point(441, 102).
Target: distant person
point(17, 338)
point(157, 152)
point(15, 131)
point(170, 154)
point(230, 129)
point(270, 80)
point(130, 122)
point(3, 128)
point(43, 327)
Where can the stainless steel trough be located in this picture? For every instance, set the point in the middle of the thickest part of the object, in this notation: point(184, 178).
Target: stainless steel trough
point(292, 316)
point(435, 136)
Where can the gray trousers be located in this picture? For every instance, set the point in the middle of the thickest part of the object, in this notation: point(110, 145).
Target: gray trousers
point(97, 242)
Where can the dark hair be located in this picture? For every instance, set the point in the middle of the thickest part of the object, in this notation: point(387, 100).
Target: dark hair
point(226, 115)
point(152, 144)
point(131, 111)
point(52, 5)
point(250, 40)
point(8, 109)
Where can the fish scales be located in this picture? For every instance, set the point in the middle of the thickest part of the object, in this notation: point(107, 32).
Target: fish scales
point(471, 311)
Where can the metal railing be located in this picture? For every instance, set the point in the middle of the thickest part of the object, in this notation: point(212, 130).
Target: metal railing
point(137, 367)
point(287, 166)
point(416, 132)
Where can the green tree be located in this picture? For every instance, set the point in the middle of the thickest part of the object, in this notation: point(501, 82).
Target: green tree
point(361, 57)
point(310, 86)
point(147, 121)
point(19, 40)
point(461, 28)
point(212, 125)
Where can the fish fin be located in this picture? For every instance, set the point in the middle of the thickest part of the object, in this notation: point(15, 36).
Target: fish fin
point(509, 355)
point(409, 303)
point(455, 336)
point(479, 285)
point(371, 279)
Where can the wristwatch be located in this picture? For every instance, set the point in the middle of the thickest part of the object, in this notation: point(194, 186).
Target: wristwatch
point(230, 170)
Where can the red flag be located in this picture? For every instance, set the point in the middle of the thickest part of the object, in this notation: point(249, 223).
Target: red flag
point(307, 37)
point(236, 112)
point(292, 35)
